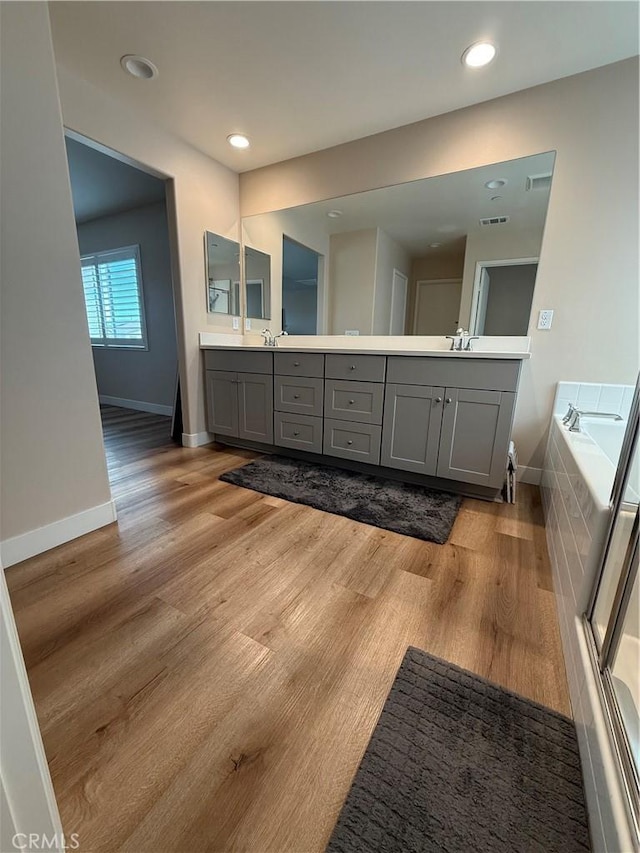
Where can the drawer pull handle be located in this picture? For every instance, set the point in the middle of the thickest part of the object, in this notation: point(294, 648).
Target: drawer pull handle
point(296, 396)
point(351, 402)
point(349, 441)
point(448, 400)
point(353, 367)
point(296, 364)
point(296, 432)
point(438, 399)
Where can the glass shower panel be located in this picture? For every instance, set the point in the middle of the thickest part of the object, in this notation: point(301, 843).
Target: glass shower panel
point(625, 674)
point(620, 538)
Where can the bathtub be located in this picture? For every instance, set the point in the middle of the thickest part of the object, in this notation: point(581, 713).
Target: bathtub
point(577, 480)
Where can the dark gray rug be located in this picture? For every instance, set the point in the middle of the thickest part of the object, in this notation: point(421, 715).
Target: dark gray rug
point(459, 765)
point(411, 510)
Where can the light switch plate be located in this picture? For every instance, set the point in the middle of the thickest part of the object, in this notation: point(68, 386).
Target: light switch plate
point(247, 324)
point(545, 318)
point(236, 323)
point(352, 331)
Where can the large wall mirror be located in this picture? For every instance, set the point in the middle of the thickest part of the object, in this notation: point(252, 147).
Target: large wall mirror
point(223, 275)
point(419, 258)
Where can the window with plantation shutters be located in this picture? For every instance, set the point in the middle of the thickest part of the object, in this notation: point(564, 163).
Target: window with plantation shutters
point(113, 296)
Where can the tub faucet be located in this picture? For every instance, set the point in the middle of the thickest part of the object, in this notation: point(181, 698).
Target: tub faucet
point(573, 423)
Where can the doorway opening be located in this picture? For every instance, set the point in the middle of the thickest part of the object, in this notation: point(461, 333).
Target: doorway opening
point(124, 240)
point(503, 296)
point(300, 291)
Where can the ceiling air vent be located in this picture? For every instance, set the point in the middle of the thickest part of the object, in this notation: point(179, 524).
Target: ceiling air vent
point(538, 182)
point(494, 220)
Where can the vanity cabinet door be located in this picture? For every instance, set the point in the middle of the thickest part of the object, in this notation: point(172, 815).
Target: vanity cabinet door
point(222, 402)
point(255, 407)
point(411, 427)
point(476, 426)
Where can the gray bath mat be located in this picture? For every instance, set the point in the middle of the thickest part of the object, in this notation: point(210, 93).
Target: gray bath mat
point(457, 764)
point(411, 510)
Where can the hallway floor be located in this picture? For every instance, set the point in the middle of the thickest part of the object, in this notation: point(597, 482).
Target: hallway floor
point(207, 671)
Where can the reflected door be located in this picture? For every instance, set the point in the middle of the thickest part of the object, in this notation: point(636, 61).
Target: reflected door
point(482, 298)
point(437, 307)
point(398, 303)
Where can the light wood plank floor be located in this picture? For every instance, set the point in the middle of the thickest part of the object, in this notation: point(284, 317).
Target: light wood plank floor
point(208, 671)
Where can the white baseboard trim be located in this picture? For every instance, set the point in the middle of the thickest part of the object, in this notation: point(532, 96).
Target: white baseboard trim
point(138, 405)
point(196, 439)
point(529, 475)
point(26, 545)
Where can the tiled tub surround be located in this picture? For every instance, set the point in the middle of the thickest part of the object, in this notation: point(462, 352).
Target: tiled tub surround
point(576, 485)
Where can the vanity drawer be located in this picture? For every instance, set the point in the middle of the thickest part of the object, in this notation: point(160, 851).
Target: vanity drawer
point(301, 432)
point(353, 401)
point(455, 372)
point(299, 363)
point(352, 441)
point(366, 368)
point(239, 360)
point(298, 395)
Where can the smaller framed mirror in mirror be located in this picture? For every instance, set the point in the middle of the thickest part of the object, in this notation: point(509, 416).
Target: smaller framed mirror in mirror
point(223, 275)
point(257, 274)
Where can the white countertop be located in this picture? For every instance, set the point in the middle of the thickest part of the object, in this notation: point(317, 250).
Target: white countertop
point(484, 347)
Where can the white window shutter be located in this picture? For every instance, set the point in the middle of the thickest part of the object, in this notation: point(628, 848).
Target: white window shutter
point(113, 296)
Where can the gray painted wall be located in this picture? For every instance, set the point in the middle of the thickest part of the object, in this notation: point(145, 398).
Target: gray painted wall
point(300, 302)
point(144, 376)
point(510, 297)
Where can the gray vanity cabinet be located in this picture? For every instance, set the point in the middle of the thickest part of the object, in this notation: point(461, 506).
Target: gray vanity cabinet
point(474, 436)
point(222, 402)
point(240, 405)
point(411, 427)
point(445, 419)
point(255, 407)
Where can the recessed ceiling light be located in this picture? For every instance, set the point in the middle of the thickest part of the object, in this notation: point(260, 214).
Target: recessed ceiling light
point(434, 245)
point(138, 66)
point(478, 54)
point(238, 140)
point(334, 214)
point(496, 183)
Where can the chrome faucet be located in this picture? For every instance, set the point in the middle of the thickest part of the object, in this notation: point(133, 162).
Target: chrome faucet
point(573, 423)
point(461, 341)
point(271, 340)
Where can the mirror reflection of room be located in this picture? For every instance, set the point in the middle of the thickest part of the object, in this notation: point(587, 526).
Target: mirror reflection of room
point(299, 288)
point(257, 272)
point(420, 258)
point(223, 275)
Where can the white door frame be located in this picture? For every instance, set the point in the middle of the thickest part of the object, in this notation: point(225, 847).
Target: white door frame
point(416, 305)
point(480, 265)
point(27, 799)
point(394, 295)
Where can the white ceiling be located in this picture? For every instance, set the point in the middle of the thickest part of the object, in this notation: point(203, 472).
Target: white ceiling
point(103, 186)
point(441, 210)
point(302, 76)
